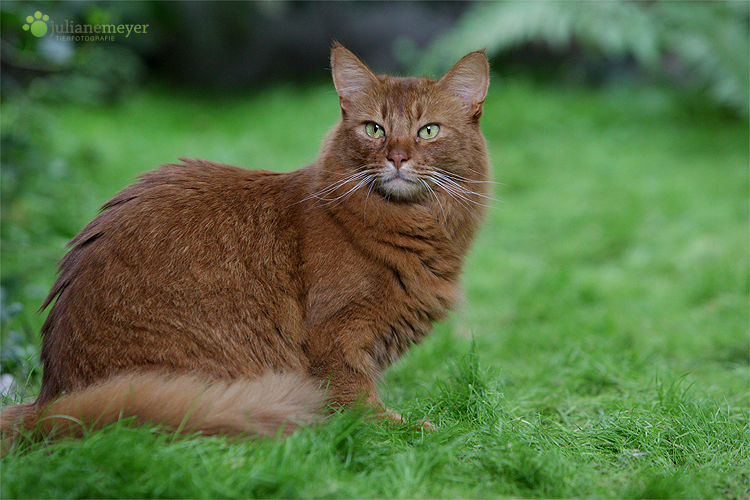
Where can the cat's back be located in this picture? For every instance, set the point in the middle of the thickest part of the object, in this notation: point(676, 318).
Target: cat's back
point(181, 214)
point(172, 274)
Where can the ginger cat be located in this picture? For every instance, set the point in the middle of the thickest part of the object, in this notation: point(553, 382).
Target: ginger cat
point(212, 298)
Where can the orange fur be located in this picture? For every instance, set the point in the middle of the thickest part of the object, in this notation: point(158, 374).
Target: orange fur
point(270, 404)
point(241, 292)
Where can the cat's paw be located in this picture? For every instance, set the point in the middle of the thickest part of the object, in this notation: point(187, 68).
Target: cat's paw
point(392, 417)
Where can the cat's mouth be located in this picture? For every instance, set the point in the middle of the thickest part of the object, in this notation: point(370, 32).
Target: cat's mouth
point(401, 186)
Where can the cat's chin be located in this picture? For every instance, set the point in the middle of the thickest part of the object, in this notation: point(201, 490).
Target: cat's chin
point(401, 189)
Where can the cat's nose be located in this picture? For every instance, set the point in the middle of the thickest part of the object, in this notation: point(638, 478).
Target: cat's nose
point(397, 158)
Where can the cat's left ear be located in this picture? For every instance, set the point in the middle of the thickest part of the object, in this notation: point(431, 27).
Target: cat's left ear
point(350, 75)
point(469, 79)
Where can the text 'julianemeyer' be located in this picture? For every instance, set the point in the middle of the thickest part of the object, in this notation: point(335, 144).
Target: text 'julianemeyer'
point(69, 28)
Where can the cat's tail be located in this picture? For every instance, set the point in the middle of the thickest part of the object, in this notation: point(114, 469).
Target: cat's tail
point(271, 404)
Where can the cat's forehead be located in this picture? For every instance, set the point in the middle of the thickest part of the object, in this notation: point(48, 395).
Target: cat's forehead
point(405, 89)
point(408, 95)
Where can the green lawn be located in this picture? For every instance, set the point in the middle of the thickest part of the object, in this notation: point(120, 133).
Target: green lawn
point(607, 297)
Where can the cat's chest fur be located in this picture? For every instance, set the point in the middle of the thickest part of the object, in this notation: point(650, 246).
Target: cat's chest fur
point(395, 272)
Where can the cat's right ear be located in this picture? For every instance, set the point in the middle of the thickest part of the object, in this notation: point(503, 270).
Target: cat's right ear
point(350, 75)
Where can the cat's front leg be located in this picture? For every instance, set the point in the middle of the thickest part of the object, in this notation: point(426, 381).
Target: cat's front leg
point(346, 383)
point(349, 378)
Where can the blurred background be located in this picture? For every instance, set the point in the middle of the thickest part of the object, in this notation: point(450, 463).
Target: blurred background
point(226, 53)
point(701, 47)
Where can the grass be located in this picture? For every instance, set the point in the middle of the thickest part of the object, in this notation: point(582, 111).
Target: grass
point(607, 303)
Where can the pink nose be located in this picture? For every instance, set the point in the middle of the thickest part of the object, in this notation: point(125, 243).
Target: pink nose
point(398, 157)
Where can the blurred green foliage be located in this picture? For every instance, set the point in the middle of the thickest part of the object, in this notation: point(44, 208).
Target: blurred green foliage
point(38, 75)
point(51, 70)
point(702, 45)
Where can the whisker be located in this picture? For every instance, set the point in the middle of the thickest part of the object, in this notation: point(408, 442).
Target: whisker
point(457, 196)
point(364, 210)
point(447, 178)
point(434, 194)
point(480, 174)
point(460, 187)
point(454, 186)
point(461, 178)
point(321, 195)
point(348, 194)
point(458, 192)
point(356, 170)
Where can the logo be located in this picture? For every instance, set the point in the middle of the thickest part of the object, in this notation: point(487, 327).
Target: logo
point(75, 32)
point(36, 24)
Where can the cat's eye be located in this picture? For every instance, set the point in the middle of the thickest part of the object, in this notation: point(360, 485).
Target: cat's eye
point(374, 130)
point(429, 131)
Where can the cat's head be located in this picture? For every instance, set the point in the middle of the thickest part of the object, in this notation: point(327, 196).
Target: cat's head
point(410, 138)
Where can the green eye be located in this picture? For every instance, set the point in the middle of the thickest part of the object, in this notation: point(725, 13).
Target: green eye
point(374, 130)
point(429, 131)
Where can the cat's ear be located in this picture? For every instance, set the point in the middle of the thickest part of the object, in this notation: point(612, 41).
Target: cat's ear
point(469, 79)
point(350, 75)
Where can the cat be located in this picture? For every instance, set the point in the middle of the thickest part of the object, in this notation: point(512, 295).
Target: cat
point(215, 299)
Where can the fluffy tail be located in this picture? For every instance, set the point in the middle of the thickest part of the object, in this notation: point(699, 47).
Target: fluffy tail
point(266, 405)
